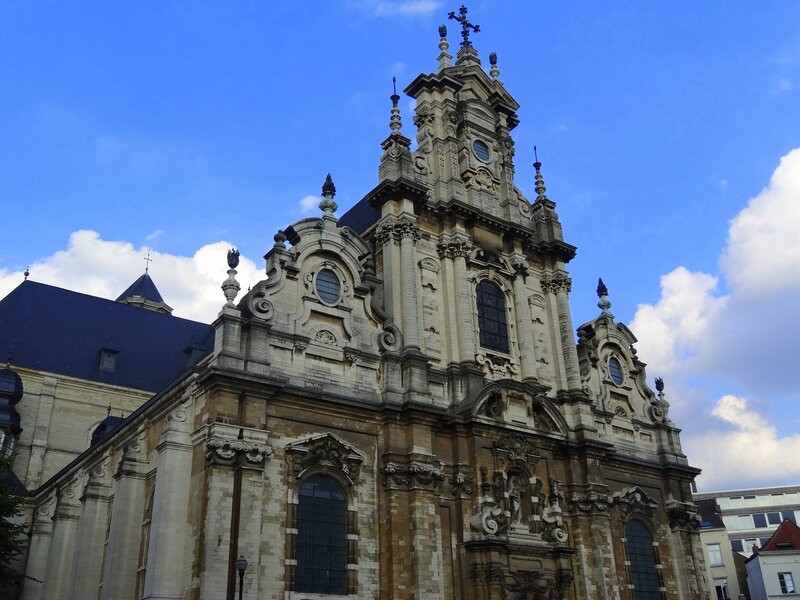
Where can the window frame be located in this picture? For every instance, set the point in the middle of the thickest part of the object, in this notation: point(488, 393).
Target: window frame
point(786, 581)
point(493, 330)
point(642, 561)
point(715, 552)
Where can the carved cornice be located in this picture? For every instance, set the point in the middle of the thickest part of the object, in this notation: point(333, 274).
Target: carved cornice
point(488, 574)
point(328, 452)
point(397, 230)
point(558, 282)
point(589, 502)
point(252, 452)
point(454, 248)
point(681, 517)
point(414, 471)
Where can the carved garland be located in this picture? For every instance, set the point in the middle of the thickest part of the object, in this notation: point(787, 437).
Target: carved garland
point(420, 472)
point(253, 452)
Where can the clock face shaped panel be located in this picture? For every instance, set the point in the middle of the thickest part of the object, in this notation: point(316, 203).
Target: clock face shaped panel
point(481, 150)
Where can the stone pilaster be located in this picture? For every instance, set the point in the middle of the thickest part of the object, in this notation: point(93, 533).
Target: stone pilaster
point(455, 253)
point(124, 536)
point(62, 545)
point(38, 550)
point(87, 564)
point(41, 433)
point(165, 555)
point(527, 358)
point(560, 285)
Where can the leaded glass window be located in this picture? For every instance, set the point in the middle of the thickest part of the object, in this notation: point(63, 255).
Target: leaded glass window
point(321, 537)
point(492, 317)
point(328, 286)
point(641, 556)
point(615, 370)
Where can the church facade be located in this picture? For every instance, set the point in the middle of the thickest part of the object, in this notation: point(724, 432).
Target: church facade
point(399, 410)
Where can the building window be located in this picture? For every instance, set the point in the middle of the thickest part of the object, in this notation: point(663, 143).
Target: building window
point(328, 286)
point(615, 370)
point(714, 555)
point(774, 518)
point(492, 317)
point(108, 360)
point(321, 550)
point(641, 556)
point(760, 520)
point(787, 583)
point(737, 545)
point(721, 589)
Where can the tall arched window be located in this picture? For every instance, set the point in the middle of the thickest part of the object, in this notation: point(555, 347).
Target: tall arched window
point(321, 550)
point(641, 556)
point(492, 317)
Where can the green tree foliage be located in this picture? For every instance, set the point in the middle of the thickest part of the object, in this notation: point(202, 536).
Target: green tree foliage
point(12, 529)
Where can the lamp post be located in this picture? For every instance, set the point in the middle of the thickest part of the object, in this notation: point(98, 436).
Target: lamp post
point(241, 566)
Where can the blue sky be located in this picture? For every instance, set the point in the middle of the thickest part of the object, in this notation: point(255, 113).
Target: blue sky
point(186, 127)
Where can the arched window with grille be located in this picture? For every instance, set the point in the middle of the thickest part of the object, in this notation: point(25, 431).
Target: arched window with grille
point(642, 559)
point(492, 323)
point(321, 546)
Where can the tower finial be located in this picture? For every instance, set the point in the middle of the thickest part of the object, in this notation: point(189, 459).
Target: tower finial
point(327, 205)
point(604, 304)
point(494, 71)
point(395, 122)
point(231, 287)
point(465, 25)
point(444, 56)
point(147, 261)
point(27, 273)
point(539, 187)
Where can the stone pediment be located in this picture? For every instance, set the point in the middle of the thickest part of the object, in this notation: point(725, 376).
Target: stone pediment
point(515, 403)
point(325, 451)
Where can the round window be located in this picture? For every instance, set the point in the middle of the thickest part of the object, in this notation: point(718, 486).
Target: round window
point(328, 286)
point(481, 150)
point(615, 370)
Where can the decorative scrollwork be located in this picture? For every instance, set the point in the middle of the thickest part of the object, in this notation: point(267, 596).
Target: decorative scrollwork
point(461, 484)
point(425, 474)
point(516, 448)
point(390, 339)
point(454, 248)
point(590, 502)
point(397, 230)
point(558, 282)
point(325, 450)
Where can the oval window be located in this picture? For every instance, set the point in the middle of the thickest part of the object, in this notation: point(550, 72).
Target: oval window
point(615, 370)
point(328, 286)
point(481, 150)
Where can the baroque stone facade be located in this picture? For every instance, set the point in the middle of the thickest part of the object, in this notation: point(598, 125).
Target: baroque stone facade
point(410, 367)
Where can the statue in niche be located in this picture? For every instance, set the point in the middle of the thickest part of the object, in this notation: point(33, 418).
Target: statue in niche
point(515, 486)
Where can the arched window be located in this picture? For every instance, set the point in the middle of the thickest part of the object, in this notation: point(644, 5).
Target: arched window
point(321, 550)
point(641, 556)
point(492, 317)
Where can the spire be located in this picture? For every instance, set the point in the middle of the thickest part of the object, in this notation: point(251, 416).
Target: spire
point(444, 56)
point(494, 71)
point(395, 122)
point(327, 205)
point(540, 187)
point(604, 304)
point(144, 294)
point(231, 287)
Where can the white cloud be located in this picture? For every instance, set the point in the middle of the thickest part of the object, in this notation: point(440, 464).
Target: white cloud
point(309, 203)
point(388, 8)
point(739, 346)
point(783, 85)
point(763, 250)
point(153, 235)
point(748, 446)
point(723, 184)
point(89, 264)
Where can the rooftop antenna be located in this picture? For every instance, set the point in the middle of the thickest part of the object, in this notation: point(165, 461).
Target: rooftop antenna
point(147, 260)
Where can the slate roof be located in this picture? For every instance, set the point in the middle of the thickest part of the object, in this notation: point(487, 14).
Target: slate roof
point(709, 514)
point(360, 217)
point(63, 332)
point(143, 287)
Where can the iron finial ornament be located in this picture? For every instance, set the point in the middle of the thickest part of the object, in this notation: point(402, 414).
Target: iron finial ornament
point(327, 204)
point(465, 25)
point(27, 273)
point(395, 122)
point(494, 71)
point(659, 384)
point(442, 31)
point(233, 258)
point(602, 290)
point(147, 261)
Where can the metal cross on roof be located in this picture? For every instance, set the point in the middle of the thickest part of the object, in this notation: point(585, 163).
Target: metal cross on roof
point(147, 260)
point(465, 25)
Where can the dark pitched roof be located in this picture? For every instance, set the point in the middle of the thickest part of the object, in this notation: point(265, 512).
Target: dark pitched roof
point(785, 537)
point(360, 217)
point(144, 288)
point(59, 331)
point(709, 514)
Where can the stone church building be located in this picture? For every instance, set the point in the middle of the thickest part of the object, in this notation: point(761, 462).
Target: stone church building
point(399, 410)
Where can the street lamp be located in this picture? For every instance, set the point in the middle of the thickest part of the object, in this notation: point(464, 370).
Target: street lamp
point(241, 566)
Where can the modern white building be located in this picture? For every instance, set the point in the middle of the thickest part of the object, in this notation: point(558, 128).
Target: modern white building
point(774, 571)
point(732, 523)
